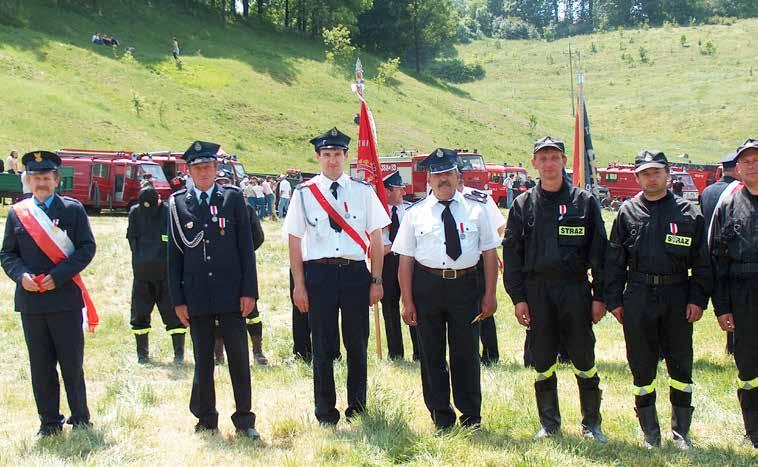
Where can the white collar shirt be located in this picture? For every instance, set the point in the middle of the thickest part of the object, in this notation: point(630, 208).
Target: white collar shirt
point(356, 202)
point(422, 233)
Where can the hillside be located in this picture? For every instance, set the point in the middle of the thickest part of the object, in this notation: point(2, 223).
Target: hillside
point(263, 93)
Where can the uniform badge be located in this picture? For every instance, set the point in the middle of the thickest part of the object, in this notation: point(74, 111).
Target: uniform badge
point(37, 157)
point(562, 210)
point(439, 153)
point(463, 234)
point(333, 132)
point(222, 225)
point(189, 224)
point(347, 212)
point(198, 146)
point(146, 204)
point(648, 157)
point(214, 213)
point(674, 228)
point(55, 222)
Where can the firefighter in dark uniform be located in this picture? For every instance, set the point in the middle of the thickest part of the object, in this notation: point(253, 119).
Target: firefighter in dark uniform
point(391, 301)
point(327, 224)
point(708, 201)
point(554, 234)
point(212, 277)
point(49, 302)
point(440, 242)
point(656, 239)
point(734, 252)
point(147, 233)
point(224, 177)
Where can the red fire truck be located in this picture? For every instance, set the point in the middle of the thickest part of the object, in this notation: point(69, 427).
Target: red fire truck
point(497, 174)
point(110, 179)
point(702, 174)
point(407, 162)
point(621, 182)
point(173, 164)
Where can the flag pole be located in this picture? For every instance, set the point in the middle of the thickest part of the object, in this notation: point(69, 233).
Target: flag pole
point(370, 168)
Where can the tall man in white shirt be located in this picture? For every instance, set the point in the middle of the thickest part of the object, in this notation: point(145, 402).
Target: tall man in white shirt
point(331, 222)
point(441, 239)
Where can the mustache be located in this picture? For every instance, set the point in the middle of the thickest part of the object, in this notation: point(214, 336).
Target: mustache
point(441, 184)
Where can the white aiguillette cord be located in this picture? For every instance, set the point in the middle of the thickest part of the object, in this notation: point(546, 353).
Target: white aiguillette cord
point(175, 218)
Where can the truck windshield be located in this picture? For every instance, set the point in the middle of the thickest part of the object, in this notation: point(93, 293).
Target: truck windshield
point(687, 180)
point(152, 169)
point(472, 162)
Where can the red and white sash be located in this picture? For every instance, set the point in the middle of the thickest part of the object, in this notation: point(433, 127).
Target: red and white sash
point(729, 191)
point(334, 215)
point(57, 247)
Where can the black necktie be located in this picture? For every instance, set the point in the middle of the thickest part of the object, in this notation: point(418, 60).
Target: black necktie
point(395, 224)
point(452, 240)
point(333, 224)
point(42, 206)
point(203, 205)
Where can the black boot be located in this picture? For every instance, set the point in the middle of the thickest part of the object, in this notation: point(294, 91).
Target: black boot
point(548, 409)
point(178, 342)
point(749, 416)
point(260, 359)
point(591, 419)
point(681, 419)
point(218, 350)
point(143, 349)
point(648, 417)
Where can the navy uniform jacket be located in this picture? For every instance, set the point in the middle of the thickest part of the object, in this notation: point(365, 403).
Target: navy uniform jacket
point(19, 255)
point(211, 277)
point(147, 233)
point(711, 196)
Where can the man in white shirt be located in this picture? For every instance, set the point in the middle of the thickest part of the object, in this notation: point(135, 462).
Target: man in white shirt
point(440, 241)
point(285, 193)
point(11, 163)
point(331, 217)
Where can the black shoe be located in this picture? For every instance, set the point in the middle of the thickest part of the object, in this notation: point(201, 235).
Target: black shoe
point(249, 433)
point(750, 417)
point(353, 412)
point(327, 423)
point(143, 348)
point(200, 428)
point(651, 429)
point(46, 431)
point(80, 425)
point(177, 341)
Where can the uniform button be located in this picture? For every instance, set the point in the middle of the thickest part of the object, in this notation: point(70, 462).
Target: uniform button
point(210, 274)
point(208, 258)
point(205, 225)
point(207, 241)
point(338, 249)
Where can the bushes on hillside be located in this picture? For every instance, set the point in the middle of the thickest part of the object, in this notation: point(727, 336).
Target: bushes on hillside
point(511, 27)
point(454, 70)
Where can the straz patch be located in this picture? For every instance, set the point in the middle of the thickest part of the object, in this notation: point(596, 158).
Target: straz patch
point(678, 240)
point(570, 231)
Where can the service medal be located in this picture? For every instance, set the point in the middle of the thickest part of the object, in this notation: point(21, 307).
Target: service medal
point(189, 224)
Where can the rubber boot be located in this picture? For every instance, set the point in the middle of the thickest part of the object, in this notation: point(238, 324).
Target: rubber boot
point(549, 411)
point(681, 419)
point(143, 349)
point(648, 417)
point(260, 359)
point(749, 416)
point(218, 350)
point(589, 400)
point(178, 342)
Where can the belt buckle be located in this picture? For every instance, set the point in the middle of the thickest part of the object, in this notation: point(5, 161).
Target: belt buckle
point(656, 279)
point(445, 274)
point(342, 262)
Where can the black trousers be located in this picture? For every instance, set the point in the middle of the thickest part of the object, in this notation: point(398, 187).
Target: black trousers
point(655, 325)
point(203, 399)
point(744, 299)
point(561, 313)
point(391, 310)
point(145, 296)
point(52, 339)
point(333, 289)
point(445, 310)
point(301, 330)
point(488, 329)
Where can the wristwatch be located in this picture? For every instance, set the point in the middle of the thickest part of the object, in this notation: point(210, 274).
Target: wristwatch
point(376, 280)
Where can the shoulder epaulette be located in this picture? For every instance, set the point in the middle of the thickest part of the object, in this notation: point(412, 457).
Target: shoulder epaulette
point(360, 181)
point(179, 192)
point(231, 187)
point(477, 196)
point(304, 184)
point(411, 204)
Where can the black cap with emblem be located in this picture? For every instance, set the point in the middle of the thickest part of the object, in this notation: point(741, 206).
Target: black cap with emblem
point(200, 152)
point(748, 144)
point(40, 161)
point(440, 160)
point(224, 174)
point(549, 142)
point(330, 140)
point(729, 161)
point(650, 159)
point(394, 180)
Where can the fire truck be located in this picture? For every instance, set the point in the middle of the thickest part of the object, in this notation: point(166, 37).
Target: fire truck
point(173, 164)
point(110, 179)
point(496, 180)
point(702, 174)
point(407, 162)
point(622, 184)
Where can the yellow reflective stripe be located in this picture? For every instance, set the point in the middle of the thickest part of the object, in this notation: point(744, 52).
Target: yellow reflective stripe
point(748, 385)
point(139, 332)
point(680, 386)
point(171, 332)
point(164, 238)
point(586, 374)
point(644, 390)
point(541, 376)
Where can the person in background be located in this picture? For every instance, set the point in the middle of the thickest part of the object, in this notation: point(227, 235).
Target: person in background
point(11, 163)
point(260, 199)
point(285, 193)
point(268, 195)
point(508, 182)
point(175, 49)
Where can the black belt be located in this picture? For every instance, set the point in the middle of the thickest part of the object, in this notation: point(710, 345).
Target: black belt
point(556, 275)
point(658, 279)
point(743, 269)
point(334, 261)
point(448, 274)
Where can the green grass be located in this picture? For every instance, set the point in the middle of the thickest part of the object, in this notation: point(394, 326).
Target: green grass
point(141, 413)
point(263, 93)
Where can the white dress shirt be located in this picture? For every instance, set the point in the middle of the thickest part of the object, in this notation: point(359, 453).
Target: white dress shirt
point(496, 217)
point(356, 202)
point(422, 232)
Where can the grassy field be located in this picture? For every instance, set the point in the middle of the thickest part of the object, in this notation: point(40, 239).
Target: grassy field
point(141, 414)
point(263, 93)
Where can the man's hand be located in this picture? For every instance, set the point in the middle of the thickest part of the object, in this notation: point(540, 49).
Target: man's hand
point(598, 311)
point(726, 321)
point(375, 293)
point(522, 314)
point(246, 305)
point(300, 297)
point(694, 312)
point(47, 283)
point(409, 314)
point(27, 282)
point(618, 313)
point(182, 314)
point(489, 306)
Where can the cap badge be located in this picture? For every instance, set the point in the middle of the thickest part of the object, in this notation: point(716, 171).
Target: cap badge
point(439, 153)
point(37, 157)
point(648, 157)
point(198, 146)
point(333, 132)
